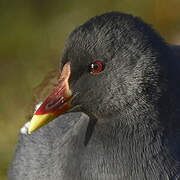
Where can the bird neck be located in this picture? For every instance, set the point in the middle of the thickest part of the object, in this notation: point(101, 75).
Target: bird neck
point(131, 151)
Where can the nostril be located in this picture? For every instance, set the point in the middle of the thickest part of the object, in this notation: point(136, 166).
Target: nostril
point(49, 104)
point(53, 103)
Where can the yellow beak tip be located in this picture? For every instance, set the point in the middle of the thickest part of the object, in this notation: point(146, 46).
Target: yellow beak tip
point(38, 121)
point(29, 131)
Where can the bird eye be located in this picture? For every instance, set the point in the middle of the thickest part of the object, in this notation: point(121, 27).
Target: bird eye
point(96, 67)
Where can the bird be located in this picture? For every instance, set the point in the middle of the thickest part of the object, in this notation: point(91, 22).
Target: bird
point(115, 108)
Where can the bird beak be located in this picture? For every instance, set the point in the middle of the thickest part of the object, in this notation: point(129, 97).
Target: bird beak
point(57, 103)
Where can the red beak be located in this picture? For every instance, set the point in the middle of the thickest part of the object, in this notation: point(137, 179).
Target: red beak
point(57, 103)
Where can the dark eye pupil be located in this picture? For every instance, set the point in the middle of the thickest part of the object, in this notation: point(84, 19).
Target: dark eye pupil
point(96, 66)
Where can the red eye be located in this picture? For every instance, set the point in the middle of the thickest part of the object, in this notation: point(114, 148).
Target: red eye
point(96, 67)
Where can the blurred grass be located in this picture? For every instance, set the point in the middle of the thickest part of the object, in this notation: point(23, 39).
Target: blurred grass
point(32, 36)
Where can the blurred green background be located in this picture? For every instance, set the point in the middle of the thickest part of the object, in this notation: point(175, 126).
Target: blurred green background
point(32, 36)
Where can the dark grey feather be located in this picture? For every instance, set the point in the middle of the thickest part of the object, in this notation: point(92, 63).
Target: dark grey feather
point(133, 132)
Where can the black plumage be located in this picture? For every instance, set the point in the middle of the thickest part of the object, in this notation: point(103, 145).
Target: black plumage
point(131, 129)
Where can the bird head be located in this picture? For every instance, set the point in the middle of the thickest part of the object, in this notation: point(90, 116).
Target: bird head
point(110, 65)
